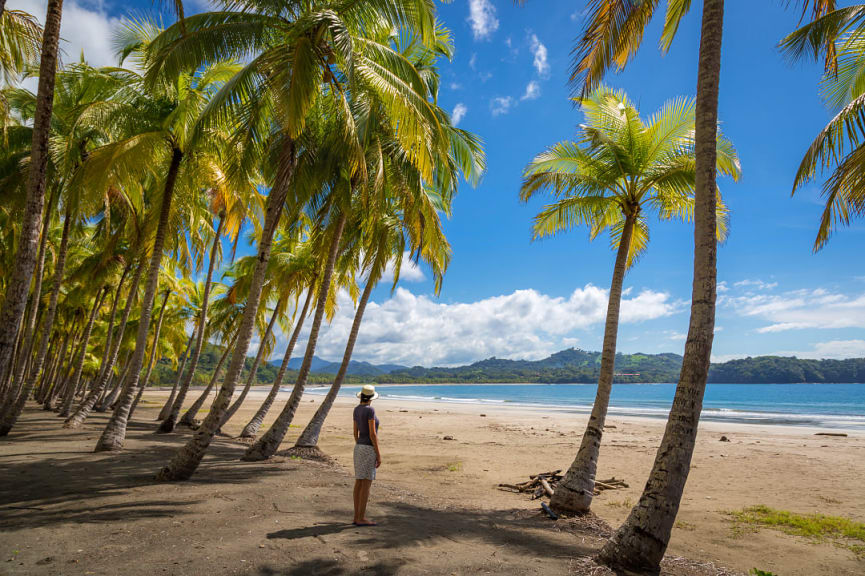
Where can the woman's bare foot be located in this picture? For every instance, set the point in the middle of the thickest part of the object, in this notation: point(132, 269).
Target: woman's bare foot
point(365, 522)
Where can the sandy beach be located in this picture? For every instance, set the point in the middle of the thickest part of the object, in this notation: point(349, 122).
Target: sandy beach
point(66, 510)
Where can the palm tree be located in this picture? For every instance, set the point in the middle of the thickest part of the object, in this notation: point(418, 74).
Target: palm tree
point(83, 411)
point(271, 100)
point(619, 170)
point(293, 267)
point(612, 36)
point(169, 135)
point(839, 145)
point(12, 310)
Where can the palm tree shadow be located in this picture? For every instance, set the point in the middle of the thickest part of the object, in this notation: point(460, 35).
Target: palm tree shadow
point(330, 567)
point(311, 531)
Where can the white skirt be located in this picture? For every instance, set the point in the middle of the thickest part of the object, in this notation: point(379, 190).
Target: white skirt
point(364, 462)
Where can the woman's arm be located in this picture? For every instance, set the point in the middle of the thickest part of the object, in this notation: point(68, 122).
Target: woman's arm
point(356, 432)
point(373, 435)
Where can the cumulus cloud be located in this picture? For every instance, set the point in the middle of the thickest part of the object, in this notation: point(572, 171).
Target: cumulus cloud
point(540, 56)
point(415, 329)
point(501, 105)
point(533, 91)
point(408, 271)
point(837, 349)
point(482, 17)
point(84, 28)
point(798, 309)
point(459, 113)
point(755, 284)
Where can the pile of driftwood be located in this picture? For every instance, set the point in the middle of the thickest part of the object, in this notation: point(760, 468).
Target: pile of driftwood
point(540, 485)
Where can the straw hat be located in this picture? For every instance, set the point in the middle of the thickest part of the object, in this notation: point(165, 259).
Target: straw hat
point(368, 390)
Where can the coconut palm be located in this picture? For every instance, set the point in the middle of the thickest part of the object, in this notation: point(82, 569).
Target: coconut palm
point(838, 147)
point(14, 302)
point(161, 126)
point(271, 100)
point(292, 268)
point(619, 171)
point(611, 37)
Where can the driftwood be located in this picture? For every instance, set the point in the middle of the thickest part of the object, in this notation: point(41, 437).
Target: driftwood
point(841, 434)
point(544, 484)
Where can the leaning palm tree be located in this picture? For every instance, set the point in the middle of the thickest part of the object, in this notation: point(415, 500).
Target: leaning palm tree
point(612, 36)
point(270, 101)
point(14, 302)
point(839, 146)
point(619, 171)
point(169, 136)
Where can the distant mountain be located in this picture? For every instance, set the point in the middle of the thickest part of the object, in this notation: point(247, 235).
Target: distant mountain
point(580, 366)
point(355, 368)
point(572, 365)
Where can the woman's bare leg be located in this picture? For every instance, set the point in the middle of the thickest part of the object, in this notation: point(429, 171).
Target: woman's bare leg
point(357, 515)
point(365, 486)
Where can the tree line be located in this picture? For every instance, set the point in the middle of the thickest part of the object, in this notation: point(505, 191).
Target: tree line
point(314, 128)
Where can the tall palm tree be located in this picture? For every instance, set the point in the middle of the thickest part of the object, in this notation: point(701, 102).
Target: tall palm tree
point(271, 99)
point(12, 309)
point(838, 147)
point(620, 170)
point(611, 37)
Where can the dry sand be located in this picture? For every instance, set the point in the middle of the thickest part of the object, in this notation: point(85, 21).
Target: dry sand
point(65, 510)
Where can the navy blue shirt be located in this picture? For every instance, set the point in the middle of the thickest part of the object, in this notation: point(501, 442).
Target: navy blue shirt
point(363, 413)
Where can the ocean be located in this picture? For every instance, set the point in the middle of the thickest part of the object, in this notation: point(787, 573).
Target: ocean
point(813, 405)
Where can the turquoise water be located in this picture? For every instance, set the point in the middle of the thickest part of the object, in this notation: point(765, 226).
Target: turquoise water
point(820, 405)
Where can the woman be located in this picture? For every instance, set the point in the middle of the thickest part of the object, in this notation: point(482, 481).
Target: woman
point(366, 453)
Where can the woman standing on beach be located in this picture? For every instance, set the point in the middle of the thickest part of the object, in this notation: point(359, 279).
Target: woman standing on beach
point(367, 456)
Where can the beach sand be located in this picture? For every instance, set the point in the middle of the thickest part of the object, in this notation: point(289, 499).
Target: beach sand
point(66, 510)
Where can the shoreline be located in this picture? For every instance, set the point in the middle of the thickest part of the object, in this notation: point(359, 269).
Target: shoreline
point(720, 417)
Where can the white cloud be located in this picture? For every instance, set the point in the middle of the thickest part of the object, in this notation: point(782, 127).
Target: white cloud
point(415, 329)
point(408, 271)
point(83, 29)
point(755, 284)
point(501, 105)
point(459, 113)
point(837, 349)
point(799, 309)
point(540, 52)
point(456, 86)
point(533, 91)
point(473, 61)
point(482, 16)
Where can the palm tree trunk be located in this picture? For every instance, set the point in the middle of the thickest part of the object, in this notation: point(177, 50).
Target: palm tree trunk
point(166, 408)
point(309, 436)
point(574, 492)
point(251, 429)
point(115, 431)
point(267, 445)
point(42, 390)
point(253, 370)
point(188, 418)
point(640, 543)
point(109, 334)
point(75, 379)
point(57, 281)
point(153, 349)
point(169, 422)
point(15, 299)
point(109, 398)
point(35, 297)
point(13, 412)
point(63, 370)
point(84, 409)
point(186, 460)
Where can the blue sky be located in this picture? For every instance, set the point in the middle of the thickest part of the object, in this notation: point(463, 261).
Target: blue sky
point(506, 296)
